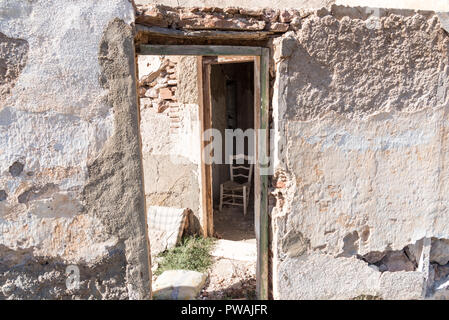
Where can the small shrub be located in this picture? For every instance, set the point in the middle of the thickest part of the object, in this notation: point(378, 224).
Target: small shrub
point(193, 253)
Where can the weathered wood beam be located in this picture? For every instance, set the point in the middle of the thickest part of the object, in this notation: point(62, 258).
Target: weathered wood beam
point(203, 34)
point(198, 50)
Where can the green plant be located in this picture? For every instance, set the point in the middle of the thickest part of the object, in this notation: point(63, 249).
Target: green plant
point(193, 253)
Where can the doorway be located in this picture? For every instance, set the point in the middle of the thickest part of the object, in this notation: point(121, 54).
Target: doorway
point(232, 103)
point(251, 58)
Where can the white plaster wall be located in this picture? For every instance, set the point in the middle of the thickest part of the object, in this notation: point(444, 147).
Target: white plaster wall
point(54, 122)
point(171, 156)
point(184, 142)
point(379, 172)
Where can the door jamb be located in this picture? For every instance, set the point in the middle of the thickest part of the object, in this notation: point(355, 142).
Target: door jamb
point(261, 109)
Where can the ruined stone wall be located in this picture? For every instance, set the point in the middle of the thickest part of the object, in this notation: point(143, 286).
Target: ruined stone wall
point(170, 133)
point(361, 144)
point(359, 110)
point(359, 102)
point(70, 170)
point(216, 18)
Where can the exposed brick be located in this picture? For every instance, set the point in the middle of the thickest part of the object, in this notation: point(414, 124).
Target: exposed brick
point(252, 12)
point(153, 16)
point(185, 16)
point(223, 24)
point(278, 27)
point(162, 107)
point(165, 93)
point(280, 184)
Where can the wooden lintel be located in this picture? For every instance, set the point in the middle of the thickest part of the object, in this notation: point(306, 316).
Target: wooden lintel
point(204, 34)
point(198, 50)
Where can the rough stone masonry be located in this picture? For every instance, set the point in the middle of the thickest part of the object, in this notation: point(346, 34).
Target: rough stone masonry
point(361, 136)
point(359, 106)
point(70, 160)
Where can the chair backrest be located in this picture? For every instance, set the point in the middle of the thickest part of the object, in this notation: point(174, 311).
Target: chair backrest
point(241, 166)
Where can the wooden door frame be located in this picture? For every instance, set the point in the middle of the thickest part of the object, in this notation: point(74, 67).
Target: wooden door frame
point(261, 109)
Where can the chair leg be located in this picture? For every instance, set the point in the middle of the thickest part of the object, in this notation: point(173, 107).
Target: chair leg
point(244, 201)
point(221, 197)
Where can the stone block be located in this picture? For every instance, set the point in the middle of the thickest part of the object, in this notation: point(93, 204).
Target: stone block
point(152, 16)
point(178, 285)
point(210, 23)
point(271, 15)
point(286, 16)
point(278, 27)
point(151, 93)
point(252, 12)
point(439, 251)
point(235, 250)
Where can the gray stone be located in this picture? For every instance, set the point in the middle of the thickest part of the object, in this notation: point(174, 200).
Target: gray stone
point(294, 244)
point(374, 256)
point(397, 261)
point(414, 250)
point(439, 252)
point(13, 58)
point(16, 169)
point(178, 285)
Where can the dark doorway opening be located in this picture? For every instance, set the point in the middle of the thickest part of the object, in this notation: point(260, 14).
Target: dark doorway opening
point(232, 102)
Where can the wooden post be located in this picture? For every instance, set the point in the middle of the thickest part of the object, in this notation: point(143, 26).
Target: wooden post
point(206, 123)
point(261, 81)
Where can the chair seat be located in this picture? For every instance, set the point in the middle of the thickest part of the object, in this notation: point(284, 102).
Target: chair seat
point(233, 192)
point(232, 185)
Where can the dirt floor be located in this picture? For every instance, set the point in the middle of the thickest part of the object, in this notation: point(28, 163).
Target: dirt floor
point(231, 224)
point(230, 279)
point(233, 274)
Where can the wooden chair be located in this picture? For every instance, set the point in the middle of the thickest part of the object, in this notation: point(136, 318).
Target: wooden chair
point(235, 192)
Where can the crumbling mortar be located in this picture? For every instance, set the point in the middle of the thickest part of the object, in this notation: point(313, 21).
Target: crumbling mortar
point(232, 18)
point(114, 192)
